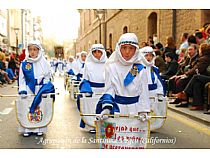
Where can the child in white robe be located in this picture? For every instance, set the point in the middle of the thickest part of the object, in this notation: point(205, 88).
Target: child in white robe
point(34, 75)
point(70, 66)
point(94, 74)
point(155, 83)
point(79, 66)
point(126, 89)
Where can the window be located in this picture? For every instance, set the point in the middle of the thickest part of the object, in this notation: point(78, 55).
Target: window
point(152, 24)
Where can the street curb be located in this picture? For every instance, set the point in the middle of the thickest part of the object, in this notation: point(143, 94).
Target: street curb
point(194, 117)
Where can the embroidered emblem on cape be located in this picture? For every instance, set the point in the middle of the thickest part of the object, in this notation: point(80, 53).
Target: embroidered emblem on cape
point(36, 117)
point(28, 66)
point(134, 71)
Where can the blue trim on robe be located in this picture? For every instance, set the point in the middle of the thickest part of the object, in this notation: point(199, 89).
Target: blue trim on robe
point(107, 99)
point(97, 85)
point(129, 78)
point(79, 76)
point(152, 86)
point(156, 70)
point(22, 92)
point(85, 87)
point(83, 65)
point(126, 100)
point(82, 123)
point(45, 89)
point(29, 76)
point(71, 72)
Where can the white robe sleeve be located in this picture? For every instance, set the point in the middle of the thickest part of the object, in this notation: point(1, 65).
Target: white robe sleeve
point(144, 103)
point(159, 87)
point(109, 87)
point(22, 82)
point(75, 67)
point(85, 75)
point(48, 73)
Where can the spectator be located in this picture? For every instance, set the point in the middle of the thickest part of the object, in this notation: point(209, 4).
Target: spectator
point(194, 89)
point(184, 43)
point(2, 55)
point(199, 68)
point(22, 56)
point(191, 40)
point(207, 32)
point(144, 44)
point(182, 56)
point(171, 67)
point(199, 38)
point(171, 47)
point(159, 62)
point(190, 61)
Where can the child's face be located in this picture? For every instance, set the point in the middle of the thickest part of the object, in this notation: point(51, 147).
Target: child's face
point(83, 57)
point(167, 59)
point(97, 54)
point(127, 51)
point(33, 51)
point(149, 57)
point(71, 60)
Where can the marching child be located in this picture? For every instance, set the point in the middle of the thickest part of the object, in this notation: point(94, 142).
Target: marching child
point(126, 89)
point(94, 74)
point(79, 66)
point(155, 83)
point(34, 78)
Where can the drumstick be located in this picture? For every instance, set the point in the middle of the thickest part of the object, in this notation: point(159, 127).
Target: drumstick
point(121, 115)
point(17, 95)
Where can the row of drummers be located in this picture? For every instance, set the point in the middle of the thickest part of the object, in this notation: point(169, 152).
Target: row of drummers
point(126, 83)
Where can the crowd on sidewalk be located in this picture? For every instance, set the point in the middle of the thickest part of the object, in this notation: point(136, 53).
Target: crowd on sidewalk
point(185, 70)
point(9, 66)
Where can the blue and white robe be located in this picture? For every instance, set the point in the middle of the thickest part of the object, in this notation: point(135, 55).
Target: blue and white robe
point(32, 77)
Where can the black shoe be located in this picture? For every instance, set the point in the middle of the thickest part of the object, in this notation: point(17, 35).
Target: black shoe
point(207, 112)
point(182, 105)
point(176, 101)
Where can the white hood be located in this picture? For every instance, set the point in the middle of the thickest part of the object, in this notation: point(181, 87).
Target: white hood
point(127, 38)
point(91, 57)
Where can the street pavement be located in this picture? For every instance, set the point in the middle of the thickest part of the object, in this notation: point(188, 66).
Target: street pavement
point(180, 130)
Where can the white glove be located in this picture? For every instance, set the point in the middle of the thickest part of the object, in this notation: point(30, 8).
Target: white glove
point(143, 116)
point(23, 96)
point(160, 97)
point(103, 115)
point(87, 94)
point(44, 95)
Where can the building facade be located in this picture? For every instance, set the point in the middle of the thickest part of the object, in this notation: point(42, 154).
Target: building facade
point(112, 23)
point(3, 28)
point(17, 28)
point(37, 28)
